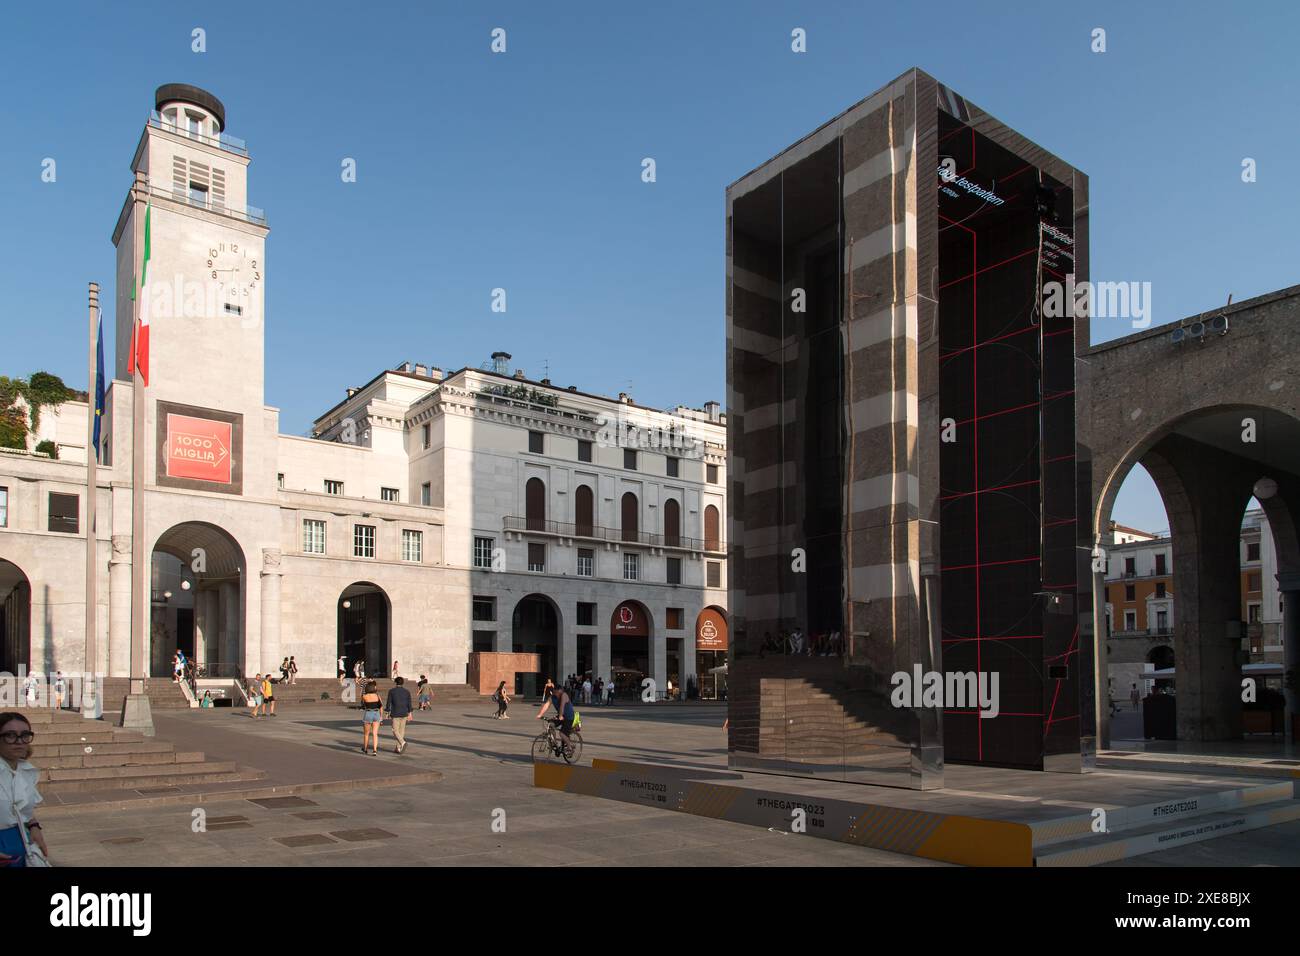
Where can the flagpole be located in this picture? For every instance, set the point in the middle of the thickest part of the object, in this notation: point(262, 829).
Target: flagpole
point(90, 703)
point(136, 713)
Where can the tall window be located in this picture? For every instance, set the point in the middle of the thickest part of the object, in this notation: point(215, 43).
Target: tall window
point(674, 570)
point(1130, 592)
point(412, 546)
point(535, 504)
point(1130, 566)
point(586, 562)
point(426, 493)
point(712, 574)
point(629, 459)
point(1160, 589)
point(711, 474)
point(1252, 551)
point(1253, 580)
point(712, 540)
point(483, 553)
point(363, 540)
point(1130, 620)
point(1162, 620)
point(673, 618)
point(425, 440)
point(586, 614)
point(584, 508)
point(4, 507)
point(631, 567)
point(672, 522)
point(584, 450)
point(631, 517)
point(671, 466)
point(333, 487)
point(1160, 563)
point(388, 494)
point(279, 481)
point(536, 442)
point(485, 608)
point(313, 536)
point(64, 512)
point(537, 557)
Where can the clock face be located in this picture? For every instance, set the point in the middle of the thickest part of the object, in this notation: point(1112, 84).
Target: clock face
point(236, 267)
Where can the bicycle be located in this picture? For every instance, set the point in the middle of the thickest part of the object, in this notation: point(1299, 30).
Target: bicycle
point(547, 743)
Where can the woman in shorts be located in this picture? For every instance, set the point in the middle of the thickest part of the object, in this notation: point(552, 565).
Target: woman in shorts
point(371, 715)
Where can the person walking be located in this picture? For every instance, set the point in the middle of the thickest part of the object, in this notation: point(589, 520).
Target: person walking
point(293, 671)
point(398, 709)
point(359, 669)
point(60, 688)
point(395, 670)
point(255, 694)
point(268, 694)
point(502, 701)
point(343, 669)
point(371, 715)
point(1134, 696)
point(422, 693)
point(609, 691)
point(19, 796)
point(31, 690)
point(284, 671)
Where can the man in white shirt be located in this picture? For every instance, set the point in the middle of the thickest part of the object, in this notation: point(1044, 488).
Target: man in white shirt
point(586, 691)
point(343, 669)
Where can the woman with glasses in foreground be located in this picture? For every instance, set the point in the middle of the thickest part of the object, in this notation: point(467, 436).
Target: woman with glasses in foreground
point(18, 794)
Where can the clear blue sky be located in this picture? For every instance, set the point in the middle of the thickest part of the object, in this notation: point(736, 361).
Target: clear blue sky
point(522, 170)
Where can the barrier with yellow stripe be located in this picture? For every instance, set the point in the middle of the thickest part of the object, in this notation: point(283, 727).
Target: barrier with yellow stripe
point(970, 841)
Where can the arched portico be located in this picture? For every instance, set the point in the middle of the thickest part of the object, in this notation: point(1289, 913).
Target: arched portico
point(198, 600)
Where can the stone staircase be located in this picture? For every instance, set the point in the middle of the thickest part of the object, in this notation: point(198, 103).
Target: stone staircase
point(163, 694)
point(806, 710)
point(78, 755)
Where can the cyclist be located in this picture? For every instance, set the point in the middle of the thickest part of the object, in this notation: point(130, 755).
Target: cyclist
point(563, 709)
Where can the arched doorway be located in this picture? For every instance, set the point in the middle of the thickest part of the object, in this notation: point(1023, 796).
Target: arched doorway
point(363, 629)
point(15, 618)
point(629, 649)
point(197, 600)
point(630, 515)
point(712, 639)
point(584, 511)
point(535, 504)
point(535, 629)
point(672, 523)
point(1207, 465)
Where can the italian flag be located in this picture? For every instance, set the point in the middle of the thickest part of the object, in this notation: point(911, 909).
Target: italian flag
point(139, 354)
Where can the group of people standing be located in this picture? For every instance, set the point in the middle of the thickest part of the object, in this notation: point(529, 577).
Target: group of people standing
point(583, 689)
point(795, 642)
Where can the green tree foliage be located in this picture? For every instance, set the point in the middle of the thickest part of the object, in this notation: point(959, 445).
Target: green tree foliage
point(40, 390)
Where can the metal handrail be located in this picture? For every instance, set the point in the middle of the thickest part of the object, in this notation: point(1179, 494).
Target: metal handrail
point(231, 144)
point(596, 532)
point(247, 214)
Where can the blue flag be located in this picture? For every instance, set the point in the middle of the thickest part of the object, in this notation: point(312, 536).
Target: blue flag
point(99, 384)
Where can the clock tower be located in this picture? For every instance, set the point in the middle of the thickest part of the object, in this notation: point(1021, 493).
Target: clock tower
point(203, 296)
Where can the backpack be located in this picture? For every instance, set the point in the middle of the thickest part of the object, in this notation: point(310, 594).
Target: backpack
point(577, 720)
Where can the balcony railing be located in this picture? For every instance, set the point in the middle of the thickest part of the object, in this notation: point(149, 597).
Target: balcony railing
point(595, 532)
point(231, 144)
point(248, 213)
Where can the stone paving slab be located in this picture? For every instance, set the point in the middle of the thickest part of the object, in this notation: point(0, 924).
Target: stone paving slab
point(482, 765)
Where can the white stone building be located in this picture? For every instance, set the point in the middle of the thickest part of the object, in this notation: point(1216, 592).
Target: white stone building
point(428, 516)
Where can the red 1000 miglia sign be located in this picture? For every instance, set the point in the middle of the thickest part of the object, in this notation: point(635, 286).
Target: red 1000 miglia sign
point(198, 448)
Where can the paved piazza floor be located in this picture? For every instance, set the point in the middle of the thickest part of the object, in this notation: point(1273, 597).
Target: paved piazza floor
point(486, 769)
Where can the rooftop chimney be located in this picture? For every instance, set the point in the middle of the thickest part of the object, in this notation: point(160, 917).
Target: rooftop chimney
point(501, 363)
point(519, 373)
point(435, 373)
point(714, 411)
point(421, 370)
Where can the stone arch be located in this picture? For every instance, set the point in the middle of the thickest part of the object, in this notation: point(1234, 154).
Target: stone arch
point(198, 600)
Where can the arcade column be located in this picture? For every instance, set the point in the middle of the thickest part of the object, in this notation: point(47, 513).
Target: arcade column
point(1289, 584)
point(601, 664)
point(230, 625)
point(271, 573)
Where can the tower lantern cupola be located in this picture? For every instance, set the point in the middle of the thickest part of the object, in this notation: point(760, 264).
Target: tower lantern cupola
point(190, 110)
